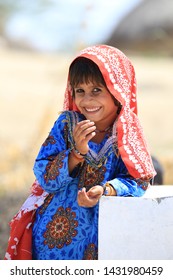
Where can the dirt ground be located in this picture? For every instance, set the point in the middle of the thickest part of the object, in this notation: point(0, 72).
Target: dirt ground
point(31, 93)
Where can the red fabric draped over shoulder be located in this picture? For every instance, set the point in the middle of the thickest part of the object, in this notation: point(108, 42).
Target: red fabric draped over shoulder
point(20, 241)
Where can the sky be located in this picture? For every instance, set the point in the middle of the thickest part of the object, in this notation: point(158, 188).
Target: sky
point(67, 23)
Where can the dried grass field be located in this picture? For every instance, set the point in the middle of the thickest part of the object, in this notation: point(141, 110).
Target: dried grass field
point(31, 93)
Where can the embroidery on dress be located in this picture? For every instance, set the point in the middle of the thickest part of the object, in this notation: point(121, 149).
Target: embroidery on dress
point(50, 140)
point(61, 229)
point(143, 184)
point(90, 176)
point(52, 168)
point(91, 252)
point(46, 203)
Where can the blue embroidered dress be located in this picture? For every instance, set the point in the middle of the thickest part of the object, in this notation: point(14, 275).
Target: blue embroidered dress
point(63, 230)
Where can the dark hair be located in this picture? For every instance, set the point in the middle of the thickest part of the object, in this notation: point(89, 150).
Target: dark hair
point(84, 70)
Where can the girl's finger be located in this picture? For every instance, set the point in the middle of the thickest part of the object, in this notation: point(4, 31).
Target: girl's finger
point(82, 127)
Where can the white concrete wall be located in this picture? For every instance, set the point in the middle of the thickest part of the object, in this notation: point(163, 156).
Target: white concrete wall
point(132, 228)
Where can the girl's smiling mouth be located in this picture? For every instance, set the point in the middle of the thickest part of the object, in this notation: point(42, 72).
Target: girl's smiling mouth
point(92, 109)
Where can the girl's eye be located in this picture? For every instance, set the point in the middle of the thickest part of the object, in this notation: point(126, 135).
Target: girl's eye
point(79, 90)
point(96, 90)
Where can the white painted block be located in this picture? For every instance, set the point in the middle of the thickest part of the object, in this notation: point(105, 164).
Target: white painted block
point(137, 228)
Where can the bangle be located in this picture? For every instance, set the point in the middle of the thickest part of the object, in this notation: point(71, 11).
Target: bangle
point(77, 152)
point(107, 185)
point(75, 155)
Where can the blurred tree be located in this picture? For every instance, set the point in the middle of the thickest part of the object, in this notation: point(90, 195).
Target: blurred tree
point(7, 8)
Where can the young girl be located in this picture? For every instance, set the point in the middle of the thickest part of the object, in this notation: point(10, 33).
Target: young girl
point(96, 147)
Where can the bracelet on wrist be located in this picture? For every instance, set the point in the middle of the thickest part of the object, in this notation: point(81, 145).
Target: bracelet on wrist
point(105, 192)
point(77, 152)
point(77, 156)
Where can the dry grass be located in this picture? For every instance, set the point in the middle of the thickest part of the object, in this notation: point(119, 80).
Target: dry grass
point(31, 94)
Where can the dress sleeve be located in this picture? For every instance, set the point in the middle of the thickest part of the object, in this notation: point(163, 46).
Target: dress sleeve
point(51, 165)
point(126, 185)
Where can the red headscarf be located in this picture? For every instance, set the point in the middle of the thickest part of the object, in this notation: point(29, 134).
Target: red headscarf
point(119, 76)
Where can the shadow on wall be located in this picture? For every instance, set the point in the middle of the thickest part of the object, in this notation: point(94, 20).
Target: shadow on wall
point(159, 178)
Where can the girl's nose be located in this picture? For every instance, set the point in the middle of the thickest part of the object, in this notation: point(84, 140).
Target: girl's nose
point(88, 96)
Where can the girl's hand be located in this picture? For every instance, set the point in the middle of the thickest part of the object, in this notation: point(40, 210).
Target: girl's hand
point(82, 133)
point(90, 198)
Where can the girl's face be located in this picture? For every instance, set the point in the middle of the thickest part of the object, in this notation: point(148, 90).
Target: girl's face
point(96, 104)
